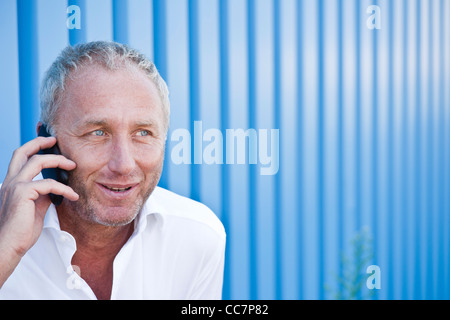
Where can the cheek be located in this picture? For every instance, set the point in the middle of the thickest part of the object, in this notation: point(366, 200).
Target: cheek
point(88, 163)
point(151, 159)
point(85, 175)
point(93, 161)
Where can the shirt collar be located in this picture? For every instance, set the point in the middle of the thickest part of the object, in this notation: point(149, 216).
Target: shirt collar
point(151, 210)
point(51, 220)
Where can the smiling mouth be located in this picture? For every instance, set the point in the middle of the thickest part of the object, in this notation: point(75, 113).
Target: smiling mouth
point(117, 189)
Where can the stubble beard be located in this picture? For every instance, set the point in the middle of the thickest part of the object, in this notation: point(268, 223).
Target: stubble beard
point(87, 207)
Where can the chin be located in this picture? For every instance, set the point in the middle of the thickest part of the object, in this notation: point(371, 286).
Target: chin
point(114, 216)
point(94, 211)
point(100, 206)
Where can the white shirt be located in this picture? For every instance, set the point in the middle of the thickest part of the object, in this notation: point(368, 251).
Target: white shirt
point(176, 252)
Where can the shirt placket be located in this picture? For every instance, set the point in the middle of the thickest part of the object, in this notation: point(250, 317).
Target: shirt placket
point(66, 246)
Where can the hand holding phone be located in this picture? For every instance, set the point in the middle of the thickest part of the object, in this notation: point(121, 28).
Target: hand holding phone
point(24, 201)
point(57, 174)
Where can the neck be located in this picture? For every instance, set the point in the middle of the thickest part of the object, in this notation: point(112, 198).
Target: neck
point(94, 239)
point(97, 246)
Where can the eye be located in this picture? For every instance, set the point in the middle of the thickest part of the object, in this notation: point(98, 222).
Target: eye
point(98, 133)
point(143, 133)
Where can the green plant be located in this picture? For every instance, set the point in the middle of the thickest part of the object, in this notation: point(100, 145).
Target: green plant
point(351, 282)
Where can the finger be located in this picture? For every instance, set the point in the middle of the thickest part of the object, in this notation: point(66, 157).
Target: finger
point(47, 186)
point(38, 162)
point(22, 154)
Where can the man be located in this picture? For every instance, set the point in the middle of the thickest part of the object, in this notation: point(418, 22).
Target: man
point(116, 235)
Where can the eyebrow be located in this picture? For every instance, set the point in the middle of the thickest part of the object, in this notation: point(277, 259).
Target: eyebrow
point(93, 123)
point(104, 123)
point(145, 123)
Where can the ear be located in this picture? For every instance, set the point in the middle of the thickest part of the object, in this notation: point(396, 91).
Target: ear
point(38, 126)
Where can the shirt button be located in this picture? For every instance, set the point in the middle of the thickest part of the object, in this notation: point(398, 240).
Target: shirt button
point(77, 284)
point(63, 238)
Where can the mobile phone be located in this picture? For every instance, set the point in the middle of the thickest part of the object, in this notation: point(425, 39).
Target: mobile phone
point(57, 174)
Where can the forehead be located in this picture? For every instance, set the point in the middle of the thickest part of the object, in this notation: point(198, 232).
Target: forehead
point(116, 95)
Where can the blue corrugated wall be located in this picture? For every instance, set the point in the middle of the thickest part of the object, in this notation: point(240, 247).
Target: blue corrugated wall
point(363, 117)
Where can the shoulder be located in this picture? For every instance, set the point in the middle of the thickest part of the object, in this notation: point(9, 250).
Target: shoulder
point(179, 209)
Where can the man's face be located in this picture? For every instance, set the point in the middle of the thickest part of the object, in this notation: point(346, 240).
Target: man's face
point(110, 123)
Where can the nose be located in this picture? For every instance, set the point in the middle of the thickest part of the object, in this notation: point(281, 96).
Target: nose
point(121, 157)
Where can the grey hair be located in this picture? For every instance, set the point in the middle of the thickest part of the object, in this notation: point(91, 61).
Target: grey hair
point(110, 55)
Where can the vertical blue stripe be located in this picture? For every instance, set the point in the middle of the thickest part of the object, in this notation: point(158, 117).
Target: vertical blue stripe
point(160, 36)
point(390, 154)
point(224, 124)
point(447, 145)
point(320, 148)
point(277, 123)
point(78, 35)
point(417, 163)
point(446, 88)
point(194, 95)
point(160, 60)
point(358, 119)
point(405, 178)
point(441, 162)
point(358, 172)
point(28, 68)
point(430, 190)
point(120, 21)
point(299, 156)
point(253, 187)
point(373, 206)
point(340, 149)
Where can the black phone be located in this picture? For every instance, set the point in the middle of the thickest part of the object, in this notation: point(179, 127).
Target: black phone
point(57, 174)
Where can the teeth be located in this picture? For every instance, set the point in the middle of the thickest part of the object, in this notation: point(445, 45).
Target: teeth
point(118, 189)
